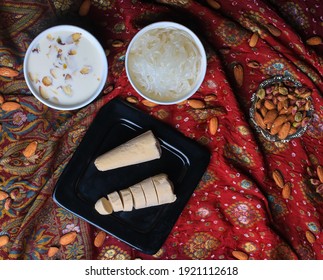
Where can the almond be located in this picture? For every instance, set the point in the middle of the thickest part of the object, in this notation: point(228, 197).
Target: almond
point(85, 8)
point(117, 44)
point(310, 237)
point(314, 41)
point(238, 74)
point(52, 251)
point(4, 240)
point(286, 191)
point(259, 120)
point(30, 150)
point(284, 130)
point(196, 103)
point(319, 171)
point(3, 195)
point(149, 103)
point(68, 238)
point(213, 125)
point(10, 106)
point(263, 111)
point(270, 116)
point(210, 97)
point(132, 99)
point(273, 30)
point(278, 121)
point(254, 39)
point(275, 128)
point(278, 178)
point(214, 4)
point(253, 64)
point(99, 239)
point(8, 72)
point(240, 255)
point(269, 105)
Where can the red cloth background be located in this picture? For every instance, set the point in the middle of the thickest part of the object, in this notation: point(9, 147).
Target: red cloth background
point(237, 205)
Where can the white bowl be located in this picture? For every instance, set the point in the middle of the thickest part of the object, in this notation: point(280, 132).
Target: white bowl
point(171, 97)
point(75, 69)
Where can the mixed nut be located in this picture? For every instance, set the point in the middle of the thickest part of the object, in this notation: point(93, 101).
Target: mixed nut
point(281, 110)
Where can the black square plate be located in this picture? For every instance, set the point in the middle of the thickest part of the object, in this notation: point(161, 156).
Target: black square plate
point(81, 184)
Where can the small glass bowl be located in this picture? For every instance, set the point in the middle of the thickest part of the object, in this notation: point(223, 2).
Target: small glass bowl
point(267, 90)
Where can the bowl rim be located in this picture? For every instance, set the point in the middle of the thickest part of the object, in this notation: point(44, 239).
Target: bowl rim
point(169, 24)
point(97, 45)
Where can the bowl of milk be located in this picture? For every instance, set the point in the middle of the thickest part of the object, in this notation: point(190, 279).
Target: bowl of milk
point(165, 63)
point(65, 67)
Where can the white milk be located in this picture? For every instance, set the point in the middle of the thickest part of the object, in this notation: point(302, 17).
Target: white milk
point(64, 70)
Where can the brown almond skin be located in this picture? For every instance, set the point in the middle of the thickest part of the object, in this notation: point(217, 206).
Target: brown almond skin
point(277, 123)
point(30, 150)
point(238, 74)
point(273, 30)
point(4, 240)
point(196, 103)
point(214, 4)
point(148, 103)
point(283, 132)
point(99, 239)
point(263, 110)
point(269, 105)
point(253, 64)
point(310, 237)
point(68, 238)
point(213, 125)
point(275, 128)
point(254, 39)
point(292, 130)
point(286, 191)
point(52, 251)
point(132, 99)
point(10, 106)
point(240, 255)
point(314, 41)
point(210, 97)
point(8, 72)
point(85, 8)
point(270, 116)
point(319, 171)
point(278, 178)
point(259, 120)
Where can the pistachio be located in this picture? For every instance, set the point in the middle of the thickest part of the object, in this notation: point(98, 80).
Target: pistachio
point(76, 37)
point(261, 93)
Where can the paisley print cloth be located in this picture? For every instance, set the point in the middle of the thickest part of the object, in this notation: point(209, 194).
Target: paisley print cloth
point(236, 205)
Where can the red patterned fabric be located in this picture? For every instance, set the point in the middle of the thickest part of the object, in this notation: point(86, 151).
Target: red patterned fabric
point(237, 205)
